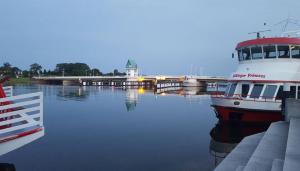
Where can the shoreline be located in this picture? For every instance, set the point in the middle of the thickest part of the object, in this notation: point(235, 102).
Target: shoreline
point(21, 80)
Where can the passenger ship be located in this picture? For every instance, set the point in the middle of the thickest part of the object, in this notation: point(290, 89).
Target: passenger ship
point(255, 89)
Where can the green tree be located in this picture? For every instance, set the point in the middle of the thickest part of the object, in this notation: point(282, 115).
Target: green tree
point(72, 69)
point(109, 74)
point(16, 72)
point(96, 72)
point(35, 69)
point(25, 73)
point(117, 73)
point(8, 70)
point(6, 65)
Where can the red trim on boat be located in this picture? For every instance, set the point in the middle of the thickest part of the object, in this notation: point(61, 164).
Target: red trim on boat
point(275, 40)
point(22, 134)
point(262, 99)
point(265, 81)
point(2, 80)
point(247, 115)
point(3, 95)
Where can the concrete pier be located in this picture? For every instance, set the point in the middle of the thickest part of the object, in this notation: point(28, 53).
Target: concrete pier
point(292, 155)
point(277, 150)
point(271, 146)
point(241, 154)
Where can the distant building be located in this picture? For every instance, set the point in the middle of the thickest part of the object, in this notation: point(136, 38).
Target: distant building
point(131, 68)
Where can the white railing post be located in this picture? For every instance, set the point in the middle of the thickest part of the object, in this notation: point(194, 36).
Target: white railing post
point(8, 90)
point(41, 109)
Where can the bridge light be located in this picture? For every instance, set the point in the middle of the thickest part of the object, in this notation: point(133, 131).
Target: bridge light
point(141, 79)
point(160, 77)
point(141, 91)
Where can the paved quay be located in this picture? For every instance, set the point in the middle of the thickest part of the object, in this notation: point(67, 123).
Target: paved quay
point(277, 149)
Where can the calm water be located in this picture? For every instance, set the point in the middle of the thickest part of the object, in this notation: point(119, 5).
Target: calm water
point(92, 128)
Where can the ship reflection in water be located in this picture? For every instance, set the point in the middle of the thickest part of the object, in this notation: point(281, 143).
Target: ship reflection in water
point(225, 136)
point(192, 94)
point(184, 91)
point(7, 167)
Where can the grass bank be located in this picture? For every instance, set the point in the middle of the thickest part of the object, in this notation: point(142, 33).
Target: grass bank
point(20, 80)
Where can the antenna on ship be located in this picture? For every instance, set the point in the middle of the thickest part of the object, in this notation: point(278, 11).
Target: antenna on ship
point(286, 22)
point(258, 32)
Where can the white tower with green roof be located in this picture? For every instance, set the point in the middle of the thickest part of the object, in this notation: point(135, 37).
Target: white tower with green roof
point(131, 68)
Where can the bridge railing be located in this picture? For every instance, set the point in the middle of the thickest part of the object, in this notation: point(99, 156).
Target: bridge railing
point(8, 90)
point(20, 114)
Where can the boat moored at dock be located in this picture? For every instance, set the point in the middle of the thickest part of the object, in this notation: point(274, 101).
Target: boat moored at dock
point(266, 67)
point(190, 81)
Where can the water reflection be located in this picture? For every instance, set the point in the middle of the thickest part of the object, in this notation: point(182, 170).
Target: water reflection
point(225, 136)
point(7, 167)
point(164, 132)
point(191, 94)
point(131, 99)
point(73, 93)
point(190, 91)
point(14, 144)
point(184, 91)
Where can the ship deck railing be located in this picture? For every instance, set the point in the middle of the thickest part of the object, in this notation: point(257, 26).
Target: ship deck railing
point(8, 90)
point(20, 115)
point(247, 98)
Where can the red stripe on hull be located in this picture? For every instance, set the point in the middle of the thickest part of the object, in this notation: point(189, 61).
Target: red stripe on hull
point(244, 115)
point(19, 135)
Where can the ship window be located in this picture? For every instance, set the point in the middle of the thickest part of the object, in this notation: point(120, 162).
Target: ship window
point(240, 55)
point(283, 51)
point(270, 91)
point(269, 52)
point(227, 89)
point(232, 90)
point(256, 52)
point(256, 90)
point(245, 89)
point(292, 93)
point(298, 93)
point(246, 53)
point(279, 93)
point(295, 51)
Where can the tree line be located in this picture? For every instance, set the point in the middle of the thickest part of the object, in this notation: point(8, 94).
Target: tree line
point(61, 69)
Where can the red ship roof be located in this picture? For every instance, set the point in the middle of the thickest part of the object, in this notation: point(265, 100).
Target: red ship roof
point(274, 40)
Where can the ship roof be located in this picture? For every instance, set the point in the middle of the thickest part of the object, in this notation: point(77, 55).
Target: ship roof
point(266, 41)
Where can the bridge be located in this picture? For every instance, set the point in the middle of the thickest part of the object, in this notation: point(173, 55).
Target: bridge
point(149, 80)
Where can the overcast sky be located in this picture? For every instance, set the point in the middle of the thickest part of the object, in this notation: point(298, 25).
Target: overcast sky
point(162, 36)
